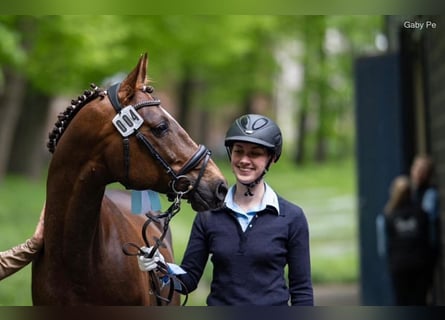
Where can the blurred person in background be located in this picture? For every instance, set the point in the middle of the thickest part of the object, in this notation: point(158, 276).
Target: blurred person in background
point(408, 246)
point(426, 195)
point(408, 233)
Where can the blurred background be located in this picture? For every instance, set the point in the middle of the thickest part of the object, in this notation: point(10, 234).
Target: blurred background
point(355, 96)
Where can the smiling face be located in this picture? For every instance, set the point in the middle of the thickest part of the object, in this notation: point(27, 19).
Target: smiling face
point(248, 161)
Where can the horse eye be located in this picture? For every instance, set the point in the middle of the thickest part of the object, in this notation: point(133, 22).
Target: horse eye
point(160, 129)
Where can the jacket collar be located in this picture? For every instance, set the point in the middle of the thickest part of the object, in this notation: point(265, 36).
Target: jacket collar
point(269, 201)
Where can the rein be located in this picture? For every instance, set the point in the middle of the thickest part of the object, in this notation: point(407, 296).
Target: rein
point(167, 277)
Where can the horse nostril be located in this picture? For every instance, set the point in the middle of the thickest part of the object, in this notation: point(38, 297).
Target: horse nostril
point(221, 191)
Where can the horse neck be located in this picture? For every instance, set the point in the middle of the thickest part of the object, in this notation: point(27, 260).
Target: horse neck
point(75, 189)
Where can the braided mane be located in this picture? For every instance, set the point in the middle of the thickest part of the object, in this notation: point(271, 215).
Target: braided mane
point(65, 117)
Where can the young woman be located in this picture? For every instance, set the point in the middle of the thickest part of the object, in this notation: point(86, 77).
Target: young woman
point(254, 236)
point(19, 256)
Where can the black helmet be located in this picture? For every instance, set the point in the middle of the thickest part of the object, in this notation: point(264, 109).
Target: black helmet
point(258, 129)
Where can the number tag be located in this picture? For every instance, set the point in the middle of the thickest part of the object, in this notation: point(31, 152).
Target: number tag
point(127, 121)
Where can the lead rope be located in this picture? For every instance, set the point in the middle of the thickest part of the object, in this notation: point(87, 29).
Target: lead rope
point(167, 278)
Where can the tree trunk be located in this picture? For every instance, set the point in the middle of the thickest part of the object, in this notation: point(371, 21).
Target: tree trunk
point(204, 128)
point(323, 116)
point(301, 136)
point(28, 155)
point(185, 93)
point(248, 106)
point(12, 101)
point(300, 148)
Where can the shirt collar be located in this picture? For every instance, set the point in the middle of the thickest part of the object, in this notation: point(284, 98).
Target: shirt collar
point(270, 199)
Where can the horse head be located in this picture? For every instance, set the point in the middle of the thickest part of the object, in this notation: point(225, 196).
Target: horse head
point(139, 144)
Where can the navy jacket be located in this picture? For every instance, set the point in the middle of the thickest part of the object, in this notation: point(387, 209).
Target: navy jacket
point(249, 267)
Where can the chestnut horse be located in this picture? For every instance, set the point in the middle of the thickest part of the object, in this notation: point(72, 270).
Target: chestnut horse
point(118, 135)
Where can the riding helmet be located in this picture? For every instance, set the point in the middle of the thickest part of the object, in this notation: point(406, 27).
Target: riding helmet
point(258, 129)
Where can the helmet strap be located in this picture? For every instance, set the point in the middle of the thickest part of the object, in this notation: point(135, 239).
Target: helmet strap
point(249, 186)
point(248, 193)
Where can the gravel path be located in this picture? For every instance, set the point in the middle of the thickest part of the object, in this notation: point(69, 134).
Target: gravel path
point(337, 295)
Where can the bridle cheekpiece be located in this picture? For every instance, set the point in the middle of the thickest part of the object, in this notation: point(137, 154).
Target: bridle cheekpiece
point(128, 121)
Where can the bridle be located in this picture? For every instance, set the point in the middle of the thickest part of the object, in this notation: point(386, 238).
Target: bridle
point(127, 121)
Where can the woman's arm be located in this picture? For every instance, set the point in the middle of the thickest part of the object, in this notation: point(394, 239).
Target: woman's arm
point(300, 282)
point(19, 256)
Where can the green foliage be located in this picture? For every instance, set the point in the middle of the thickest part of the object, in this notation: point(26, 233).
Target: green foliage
point(10, 49)
point(330, 45)
point(69, 50)
point(77, 50)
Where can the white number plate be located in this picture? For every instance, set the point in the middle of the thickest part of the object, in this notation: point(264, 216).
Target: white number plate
point(127, 121)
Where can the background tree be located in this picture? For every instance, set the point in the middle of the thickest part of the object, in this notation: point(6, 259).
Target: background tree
point(325, 117)
point(12, 93)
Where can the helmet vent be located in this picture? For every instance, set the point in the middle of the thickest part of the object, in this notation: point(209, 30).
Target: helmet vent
point(259, 123)
point(244, 121)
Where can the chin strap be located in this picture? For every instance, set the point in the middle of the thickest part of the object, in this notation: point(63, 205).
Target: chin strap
point(249, 186)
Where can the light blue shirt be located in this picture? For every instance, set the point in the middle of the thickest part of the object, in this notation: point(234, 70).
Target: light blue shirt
point(270, 198)
point(430, 203)
point(381, 235)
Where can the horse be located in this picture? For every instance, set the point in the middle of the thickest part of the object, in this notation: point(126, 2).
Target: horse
point(123, 135)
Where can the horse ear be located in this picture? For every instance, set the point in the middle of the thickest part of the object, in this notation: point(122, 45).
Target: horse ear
point(135, 78)
point(142, 69)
